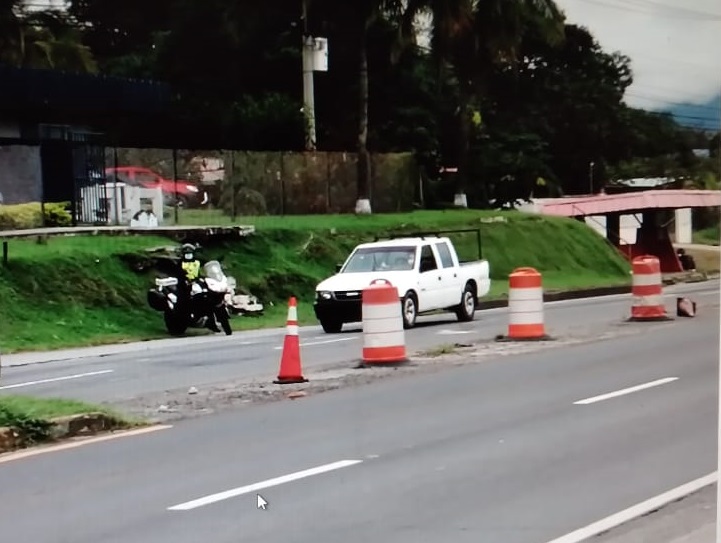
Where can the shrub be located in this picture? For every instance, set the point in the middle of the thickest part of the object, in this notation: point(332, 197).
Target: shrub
point(248, 202)
point(57, 214)
point(23, 216)
point(32, 430)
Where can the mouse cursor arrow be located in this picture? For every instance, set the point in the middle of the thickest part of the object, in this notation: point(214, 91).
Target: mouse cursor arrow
point(262, 504)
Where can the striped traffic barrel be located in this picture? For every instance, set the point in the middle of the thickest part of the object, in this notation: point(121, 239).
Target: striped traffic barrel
point(384, 338)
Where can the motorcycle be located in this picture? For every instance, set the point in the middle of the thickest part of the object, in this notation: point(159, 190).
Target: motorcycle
point(191, 306)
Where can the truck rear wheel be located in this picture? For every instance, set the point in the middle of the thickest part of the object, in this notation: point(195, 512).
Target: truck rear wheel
point(409, 307)
point(467, 308)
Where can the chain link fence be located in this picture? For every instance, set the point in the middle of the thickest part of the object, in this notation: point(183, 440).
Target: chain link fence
point(84, 185)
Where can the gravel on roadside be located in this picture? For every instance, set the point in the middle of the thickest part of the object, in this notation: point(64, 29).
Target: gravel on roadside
point(177, 404)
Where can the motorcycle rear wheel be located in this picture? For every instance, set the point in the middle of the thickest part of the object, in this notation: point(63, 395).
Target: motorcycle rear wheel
point(174, 323)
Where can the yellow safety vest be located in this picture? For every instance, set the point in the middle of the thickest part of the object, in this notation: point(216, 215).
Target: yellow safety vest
point(191, 269)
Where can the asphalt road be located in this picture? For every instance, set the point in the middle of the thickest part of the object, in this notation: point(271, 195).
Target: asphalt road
point(183, 363)
point(499, 452)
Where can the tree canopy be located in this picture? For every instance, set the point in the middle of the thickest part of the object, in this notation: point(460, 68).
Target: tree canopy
point(522, 102)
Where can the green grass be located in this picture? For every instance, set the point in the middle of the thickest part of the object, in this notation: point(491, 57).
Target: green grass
point(31, 418)
point(13, 407)
point(77, 291)
point(707, 236)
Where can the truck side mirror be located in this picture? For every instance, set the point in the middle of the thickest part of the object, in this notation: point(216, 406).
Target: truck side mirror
point(338, 267)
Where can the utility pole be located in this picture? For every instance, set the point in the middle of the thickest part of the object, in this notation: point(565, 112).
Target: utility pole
point(308, 89)
point(718, 436)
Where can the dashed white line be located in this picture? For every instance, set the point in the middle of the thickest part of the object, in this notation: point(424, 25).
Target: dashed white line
point(56, 379)
point(625, 391)
point(310, 343)
point(213, 498)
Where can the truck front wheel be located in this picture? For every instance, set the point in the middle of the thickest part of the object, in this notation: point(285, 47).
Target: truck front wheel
point(467, 308)
point(331, 326)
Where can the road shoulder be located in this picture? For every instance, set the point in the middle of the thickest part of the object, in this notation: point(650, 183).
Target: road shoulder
point(691, 519)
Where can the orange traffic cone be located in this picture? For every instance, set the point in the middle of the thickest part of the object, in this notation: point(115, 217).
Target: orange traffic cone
point(290, 368)
point(685, 307)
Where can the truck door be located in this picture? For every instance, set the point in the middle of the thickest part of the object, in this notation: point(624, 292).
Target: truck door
point(430, 281)
point(451, 280)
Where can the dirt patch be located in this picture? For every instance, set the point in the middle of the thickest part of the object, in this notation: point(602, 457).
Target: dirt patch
point(59, 429)
point(707, 259)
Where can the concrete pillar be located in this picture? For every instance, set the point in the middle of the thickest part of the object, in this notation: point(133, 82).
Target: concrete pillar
point(684, 226)
point(613, 228)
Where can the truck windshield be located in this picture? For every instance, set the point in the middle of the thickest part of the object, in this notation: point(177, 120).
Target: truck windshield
point(373, 259)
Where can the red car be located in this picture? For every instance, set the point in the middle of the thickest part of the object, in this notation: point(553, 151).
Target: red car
point(188, 193)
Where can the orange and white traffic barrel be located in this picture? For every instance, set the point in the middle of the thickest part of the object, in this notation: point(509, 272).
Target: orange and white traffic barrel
point(647, 289)
point(384, 338)
point(525, 305)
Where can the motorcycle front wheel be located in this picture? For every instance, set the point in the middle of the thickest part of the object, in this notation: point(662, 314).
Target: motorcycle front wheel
point(221, 315)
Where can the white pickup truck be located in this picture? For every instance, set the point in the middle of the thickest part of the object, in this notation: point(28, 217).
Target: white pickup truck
point(425, 270)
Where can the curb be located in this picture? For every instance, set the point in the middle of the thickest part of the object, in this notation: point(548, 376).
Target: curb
point(27, 358)
point(634, 512)
point(83, 425)
point(559, 296)
point(597, 292)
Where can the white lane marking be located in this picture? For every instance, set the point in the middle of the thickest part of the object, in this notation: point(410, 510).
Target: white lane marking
point(207, 500)
point(625, 391)
point(637, 510)
point(310, 343)
point(453, 332)
point(19, 455)
point(56, 379)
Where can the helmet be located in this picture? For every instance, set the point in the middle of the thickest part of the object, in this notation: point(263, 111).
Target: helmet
point(187, 251)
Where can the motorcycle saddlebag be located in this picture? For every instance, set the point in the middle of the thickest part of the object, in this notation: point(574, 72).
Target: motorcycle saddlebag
point(156, 300)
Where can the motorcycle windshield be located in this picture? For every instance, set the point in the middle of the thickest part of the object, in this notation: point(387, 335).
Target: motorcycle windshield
point(213, 270)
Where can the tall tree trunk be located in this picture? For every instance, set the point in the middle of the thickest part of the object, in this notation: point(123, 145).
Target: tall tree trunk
point(464, 144)
point(363, 204)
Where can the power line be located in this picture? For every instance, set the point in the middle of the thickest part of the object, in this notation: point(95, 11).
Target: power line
point(680, 64)
point(672, 12)
point(661, 100)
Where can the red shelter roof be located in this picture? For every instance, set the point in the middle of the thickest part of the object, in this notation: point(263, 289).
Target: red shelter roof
point(629, 202)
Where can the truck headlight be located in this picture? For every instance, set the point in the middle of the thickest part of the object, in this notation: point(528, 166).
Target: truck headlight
point(323, 295)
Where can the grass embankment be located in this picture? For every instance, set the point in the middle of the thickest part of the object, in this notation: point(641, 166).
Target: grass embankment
point(81, 291)
point(32, 417)
point(707, 236)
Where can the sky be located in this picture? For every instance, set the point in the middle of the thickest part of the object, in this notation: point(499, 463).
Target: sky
point(674, 49)
point(673, 45)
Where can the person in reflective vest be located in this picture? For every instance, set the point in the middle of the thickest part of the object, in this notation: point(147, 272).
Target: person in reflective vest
point(190, 264)
point(191, 267)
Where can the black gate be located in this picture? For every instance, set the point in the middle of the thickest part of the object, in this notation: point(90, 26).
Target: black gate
point(91, 204)
point(73, 164)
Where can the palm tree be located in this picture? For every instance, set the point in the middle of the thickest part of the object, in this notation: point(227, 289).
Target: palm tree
point(368, 13)
point(356, 18)
point(11, 32)
point(471, 38)
point(41, 39)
